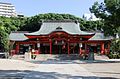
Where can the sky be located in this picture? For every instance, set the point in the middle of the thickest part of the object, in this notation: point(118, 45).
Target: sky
point(34, 7)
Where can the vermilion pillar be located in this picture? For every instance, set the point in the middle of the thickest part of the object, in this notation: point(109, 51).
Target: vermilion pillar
point(17, 48)
point(50, 46)
point(68, 47)
point(102, 48)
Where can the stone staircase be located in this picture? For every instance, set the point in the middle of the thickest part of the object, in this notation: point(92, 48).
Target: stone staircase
point(45, 57)
point(57, 57)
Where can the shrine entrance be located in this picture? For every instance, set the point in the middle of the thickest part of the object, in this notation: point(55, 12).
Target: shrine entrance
point(59, 47)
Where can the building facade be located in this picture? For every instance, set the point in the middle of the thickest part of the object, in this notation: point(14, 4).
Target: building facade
point(7, 10)
point(59, 37)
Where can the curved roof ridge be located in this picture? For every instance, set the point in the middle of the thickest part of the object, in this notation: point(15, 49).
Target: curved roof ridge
point(69, 27)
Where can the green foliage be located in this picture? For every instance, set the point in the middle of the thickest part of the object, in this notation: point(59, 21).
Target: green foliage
point(109, 11)
point(115, 46)
point(3, 40)
point(6, 26)
point(114, 55)
point(115, 49)
point(92, 26)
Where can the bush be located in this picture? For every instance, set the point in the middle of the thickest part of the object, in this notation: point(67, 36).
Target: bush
point(114, 55)
point(114, 46)
point(115, 49)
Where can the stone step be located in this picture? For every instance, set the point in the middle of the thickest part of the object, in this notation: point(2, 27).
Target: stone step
point(57, 57)
point(18, 57)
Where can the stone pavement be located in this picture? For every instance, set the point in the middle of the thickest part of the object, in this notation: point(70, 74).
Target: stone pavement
point(12, 69)
point(108, 70)
point(60, 71)
point(76, 69)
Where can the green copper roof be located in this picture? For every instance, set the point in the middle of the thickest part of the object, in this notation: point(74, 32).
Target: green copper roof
point(17, 36)
point(100, 36)
point(68, 27)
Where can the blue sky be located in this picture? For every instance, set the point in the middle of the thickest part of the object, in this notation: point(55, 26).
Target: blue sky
point(33, 7)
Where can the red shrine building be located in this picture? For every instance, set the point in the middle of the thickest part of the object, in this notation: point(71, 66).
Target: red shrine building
point(59, 37)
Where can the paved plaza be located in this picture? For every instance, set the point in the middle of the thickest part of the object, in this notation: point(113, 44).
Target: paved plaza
point(66, 69)
point(109, 70)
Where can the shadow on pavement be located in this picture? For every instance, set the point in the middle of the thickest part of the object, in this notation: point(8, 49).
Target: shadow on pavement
point(17, 74)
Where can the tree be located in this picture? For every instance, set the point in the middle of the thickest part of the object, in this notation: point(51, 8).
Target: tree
point(6, 26)
point(34, 23)
point(3, 40)
point(92, 25)
point(109, 12)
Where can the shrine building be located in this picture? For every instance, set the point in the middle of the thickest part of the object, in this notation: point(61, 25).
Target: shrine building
point(59, 37)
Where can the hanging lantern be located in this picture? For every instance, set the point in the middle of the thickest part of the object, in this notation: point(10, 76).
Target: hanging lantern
point(56, 42)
